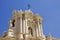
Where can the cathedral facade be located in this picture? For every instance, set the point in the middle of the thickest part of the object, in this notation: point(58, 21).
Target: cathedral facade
point(25, 25)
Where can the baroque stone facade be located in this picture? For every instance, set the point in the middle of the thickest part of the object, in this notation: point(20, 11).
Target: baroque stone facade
point(25, 25)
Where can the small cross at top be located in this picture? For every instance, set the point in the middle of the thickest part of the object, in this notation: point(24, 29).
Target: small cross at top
point(28, 6)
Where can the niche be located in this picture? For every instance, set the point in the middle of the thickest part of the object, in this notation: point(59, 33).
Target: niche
point(30, 31)
point(23, 16)
point(13, 23)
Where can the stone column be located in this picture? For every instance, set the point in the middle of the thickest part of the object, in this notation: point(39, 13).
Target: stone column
point(34, 32)
point(39, 29)
point(26, 35)
point(23, 26)
point(36, 28)
point(21, 35)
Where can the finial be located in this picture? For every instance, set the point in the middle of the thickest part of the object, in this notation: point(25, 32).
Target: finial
point(28, 6)
point(49, 34)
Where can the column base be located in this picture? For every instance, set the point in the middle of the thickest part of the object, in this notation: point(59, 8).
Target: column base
point(26, 37)
point(21, 37)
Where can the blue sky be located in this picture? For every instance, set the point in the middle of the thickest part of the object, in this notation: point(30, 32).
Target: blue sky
point(48, 9)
